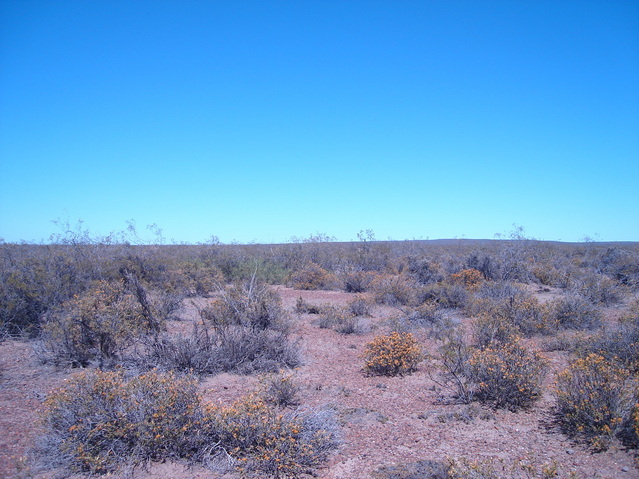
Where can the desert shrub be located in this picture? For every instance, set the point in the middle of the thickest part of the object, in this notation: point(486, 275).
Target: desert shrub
point(424, 469)
point(100, 421)
point(597, 288)
point(444, 295)
point(469, 278)
point(573, 312)
point(360, 306)
point(485, 264)
point(394, 290)
point(629, 430)
point(250, 330)
point(339, 319)
point(357, 281)
point(95, 326)
point(392, 355)
point(202, 278)
point(507, 375)
point(454, 362)
point(304, 307)
point(250, 304)
point(491, 329)
point(592, 400)
point(279, 389)
point(514, 305)
point(238, 265)
point(549, 275)
point(618, 344)
point(267, 443)
point(195, 353)
point(424, 270)
point(246, 351)
point(498, 468)
point(313, 276)
point(32, 283)
point(424, 315)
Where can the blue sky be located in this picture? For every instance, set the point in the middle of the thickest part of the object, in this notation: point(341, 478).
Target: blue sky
point(263, 120)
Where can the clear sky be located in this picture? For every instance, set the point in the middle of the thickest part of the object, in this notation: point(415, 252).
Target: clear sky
point(263, 120)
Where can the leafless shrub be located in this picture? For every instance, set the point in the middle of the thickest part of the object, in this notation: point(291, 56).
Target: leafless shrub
point(195, 353)
point(249, 304)
point(304, 307)
point(247, 351)
point(357, 281)
point(360, 306)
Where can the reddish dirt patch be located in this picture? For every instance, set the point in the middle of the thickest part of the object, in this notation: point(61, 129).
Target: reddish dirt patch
point(386, 421)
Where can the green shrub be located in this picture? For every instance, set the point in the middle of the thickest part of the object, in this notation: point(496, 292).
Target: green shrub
point(507, 374)
point(592, 400)
point(392, 355)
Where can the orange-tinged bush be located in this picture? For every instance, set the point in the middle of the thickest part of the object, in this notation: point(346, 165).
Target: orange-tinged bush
point(470, 278)
point(507, 374)
point(392, 355)
point(101, 420)
point(260, 438)
point(313, 276)
point(592, 399)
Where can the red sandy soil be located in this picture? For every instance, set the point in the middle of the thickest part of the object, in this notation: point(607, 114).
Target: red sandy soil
point(386, 420)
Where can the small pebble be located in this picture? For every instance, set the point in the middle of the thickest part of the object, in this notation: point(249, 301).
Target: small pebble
point(624, 469)
point(569, 451)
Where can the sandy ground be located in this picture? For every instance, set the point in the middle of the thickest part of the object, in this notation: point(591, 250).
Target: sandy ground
point(385, 421)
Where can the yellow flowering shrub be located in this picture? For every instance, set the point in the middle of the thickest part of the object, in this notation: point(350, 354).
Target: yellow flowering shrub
point(392, 355)
point(262, 439)
point(101, 422)
point(592, 399)
point(507, 374)
point(470, 278)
